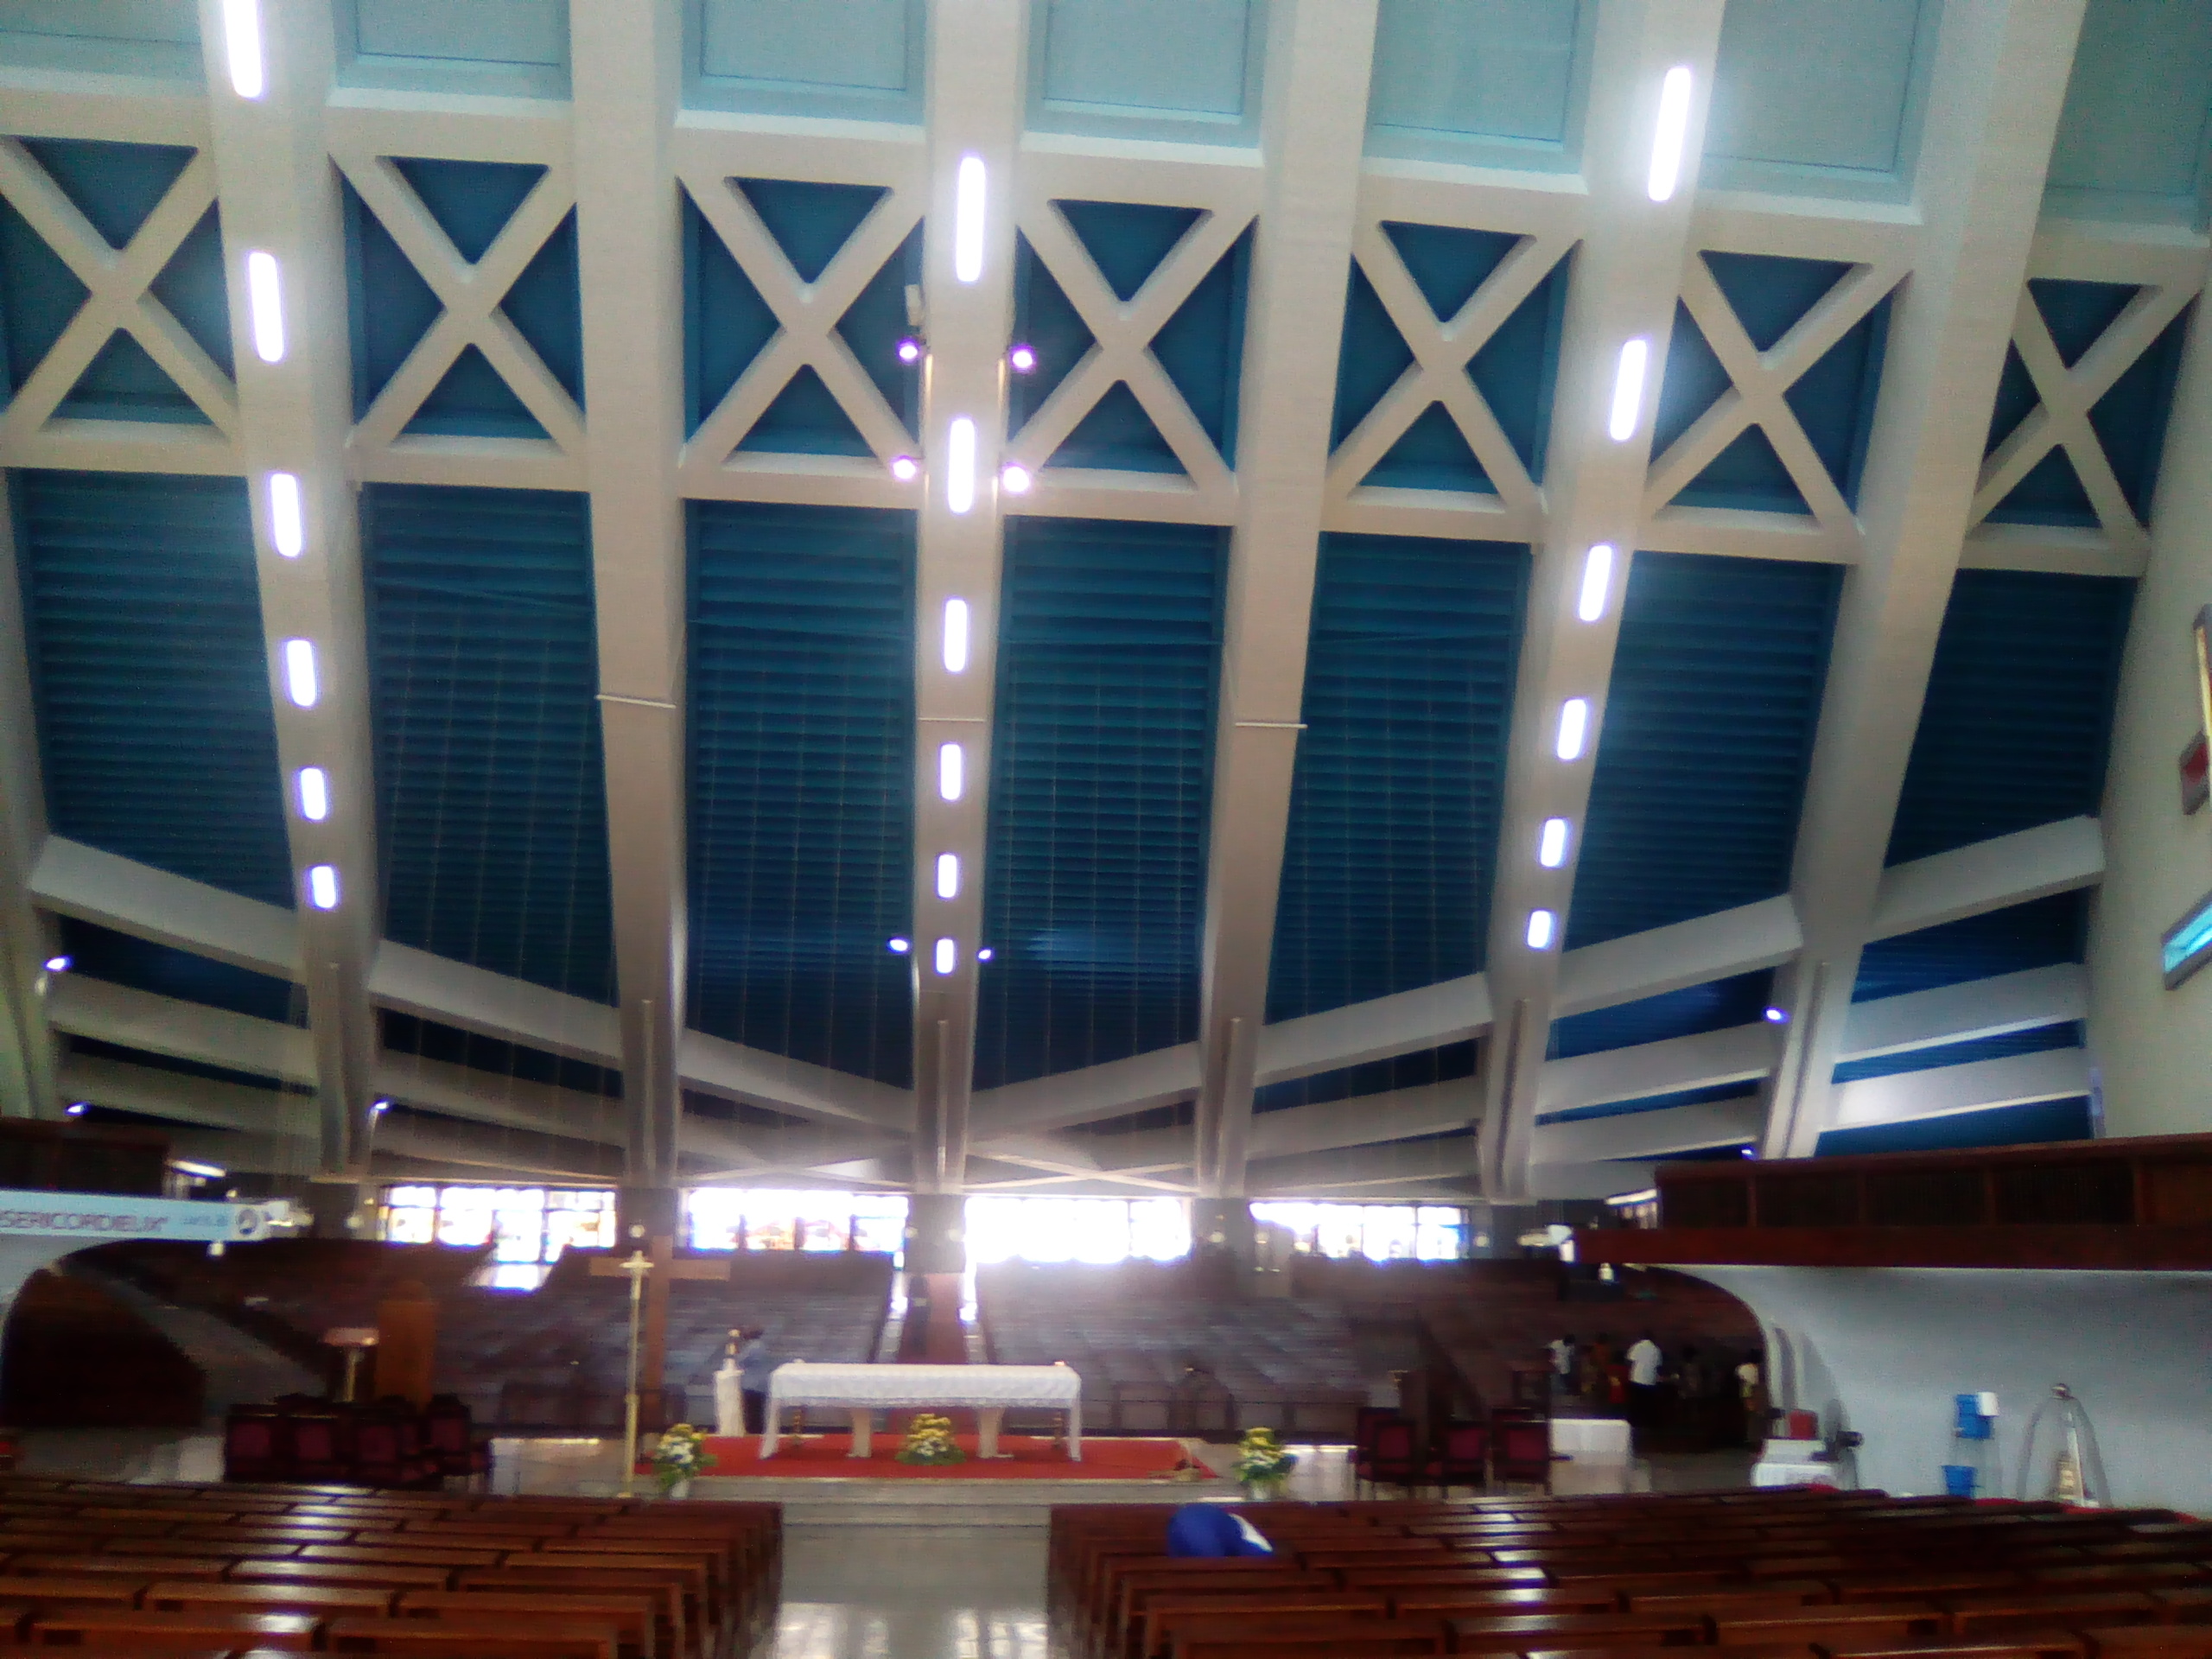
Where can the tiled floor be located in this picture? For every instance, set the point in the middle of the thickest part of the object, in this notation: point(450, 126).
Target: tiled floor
point(913, 1592)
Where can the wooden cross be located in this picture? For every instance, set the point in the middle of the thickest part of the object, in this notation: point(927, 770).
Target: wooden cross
point(659, 1269)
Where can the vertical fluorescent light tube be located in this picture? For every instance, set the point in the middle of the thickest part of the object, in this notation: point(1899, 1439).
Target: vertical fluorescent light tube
point(1597, 579)
point(948, 876)
point(242, 41)
point(1551, 843)
point(949, 771)
point(968, 220)
point(322, 886)
point(948, 956)
point(300, 679)
point(266, 296)
point(287, 527)
point(956, 636)
point(1673, 125)
point(1573, 726)
point(960, 465)
point(313, 784)
point(1540, 925)
point(1628, 390)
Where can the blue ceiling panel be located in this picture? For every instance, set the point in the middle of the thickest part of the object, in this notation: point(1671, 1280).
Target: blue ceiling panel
point(1513, 371)
point(1400, 772)
point(121, 959)
point(1704, 1096)
point(2065, 1034)
point(1147, 68)
point(1708, 730)
point(92, 1048)
point(2131, 139)
point(2041, 933)
point(484, 675)
point(515, 47)
point(115, 187)
point(2005, 1126)
point(147, 37)
point(1715, 1006)
point(143, 617)
point(1102, 763)
point(1424, 1067)
point(1692, 382)
point(2018, 710)
point(801, 777)
point(2130, 420)
point(1485, 81)
point(861, 59)
point(406, 1033)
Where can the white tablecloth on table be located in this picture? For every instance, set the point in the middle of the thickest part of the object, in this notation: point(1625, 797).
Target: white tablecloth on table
point(1595, 1440)
point(802, 1382)
point(730, 1400)
point(1777, 1473)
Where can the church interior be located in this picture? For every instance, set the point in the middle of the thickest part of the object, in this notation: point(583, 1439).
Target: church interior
point(1106, 829)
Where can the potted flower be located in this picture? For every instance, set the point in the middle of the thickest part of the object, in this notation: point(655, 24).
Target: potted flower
point(680, 1454)
point(928, 1440)
point(1262, 1465)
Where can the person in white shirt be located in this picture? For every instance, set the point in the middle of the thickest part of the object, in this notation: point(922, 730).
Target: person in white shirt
point(1643, 1362)
point(1562, 1351)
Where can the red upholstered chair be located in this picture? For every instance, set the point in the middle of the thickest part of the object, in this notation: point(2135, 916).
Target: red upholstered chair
point(322, 1446)
point(1521, 1449)
point(1390, 1459)
point(449, 1437)
point(1462, 1459)
point(256, 1443)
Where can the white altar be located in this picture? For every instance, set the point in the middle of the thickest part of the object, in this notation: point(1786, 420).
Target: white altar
point(866, 1389)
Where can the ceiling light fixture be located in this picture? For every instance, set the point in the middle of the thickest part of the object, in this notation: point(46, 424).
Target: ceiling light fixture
point(266, 298)
point(956, 636)
point(1551, 843)
point(1541, 924)
point(951, 770)
point(1573, 726)
point(1674, 125)
point(960, 465)
point(909, 349)
point(983, 955)
point(1597, 580)
point(57, 964)
point(313, 789)
point(1021, 358)
point(287, 525)
point(300, 682)
point(899, 947)
point(322, 886)
point(1777, 1016)
point(948, 876)
point(948, 956)
point(1015, 480)
point(242, 44)
point(906, 468)
point(968, 219)
point(76, 1108)
point(1628, 390)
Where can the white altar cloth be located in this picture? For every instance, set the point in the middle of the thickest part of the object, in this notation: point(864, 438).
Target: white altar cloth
point(1595, 1439)
point(865, 1389)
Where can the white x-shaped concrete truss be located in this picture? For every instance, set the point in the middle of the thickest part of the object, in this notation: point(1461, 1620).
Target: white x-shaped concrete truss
point(119, 297)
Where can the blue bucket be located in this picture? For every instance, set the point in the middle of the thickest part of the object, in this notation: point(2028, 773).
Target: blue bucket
point(1958, 1479)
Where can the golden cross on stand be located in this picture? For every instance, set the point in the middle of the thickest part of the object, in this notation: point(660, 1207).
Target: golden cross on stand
point(648, 1330)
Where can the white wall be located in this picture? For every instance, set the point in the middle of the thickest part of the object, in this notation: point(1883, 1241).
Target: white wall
point(1884, 1350)
point(2154, 1047)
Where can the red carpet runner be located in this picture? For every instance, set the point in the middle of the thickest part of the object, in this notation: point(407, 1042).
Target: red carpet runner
point(1033, 1459)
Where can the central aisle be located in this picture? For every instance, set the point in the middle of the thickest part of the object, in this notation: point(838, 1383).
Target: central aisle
point(913, 1592)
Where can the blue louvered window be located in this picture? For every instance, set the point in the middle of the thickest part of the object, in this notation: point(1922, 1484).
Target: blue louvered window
point(151, 674)
point(484, 675)
point(1101, 778)
point(801, 777)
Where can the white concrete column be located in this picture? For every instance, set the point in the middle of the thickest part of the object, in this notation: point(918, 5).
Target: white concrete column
point(1314, 127)
point(978, 58)
point(2000, 81)
point(27, 1053)
point(1626, 275)
point(279, 196)
point(626, 66)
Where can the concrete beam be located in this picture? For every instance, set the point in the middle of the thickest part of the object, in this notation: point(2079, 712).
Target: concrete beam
point(1958, 1014)
point(1705, 1060)
point(1978, 1086)
point(186, 1031)
point(1112, 1090)
point(1696, 952)
point(149, 904)
point(1313, 124)
point(27, 939)
point(1651, 1135)
point(1403, 1023)
point(1987, 875)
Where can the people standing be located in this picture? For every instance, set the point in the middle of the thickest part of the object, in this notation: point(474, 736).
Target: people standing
point(1597, 1369)
point(754, 1364)
point(1562, 1351)
point(1752, 1386)
point(1643, 1362)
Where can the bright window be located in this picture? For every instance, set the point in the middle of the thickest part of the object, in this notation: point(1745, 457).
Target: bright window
point(1099, 1230)
point(731, 1218)
point(1381, 1232)
point(527, 1227)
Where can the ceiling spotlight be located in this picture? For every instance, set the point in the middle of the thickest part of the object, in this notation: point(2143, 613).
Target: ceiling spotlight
point(1748, 1153)
point(899, 947)
point(906, 468)
point(910, 349)
point(1016, 481)
point(381, 1107)
point(983, 955)
point(57, 964)
point(1021, 358)
point(76, 1108)
point(1777, 1016)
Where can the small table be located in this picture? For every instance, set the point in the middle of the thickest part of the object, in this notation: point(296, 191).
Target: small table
point(866, 1389)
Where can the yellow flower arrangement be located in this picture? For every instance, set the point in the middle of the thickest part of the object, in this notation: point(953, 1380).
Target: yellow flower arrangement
point(928, 1440)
